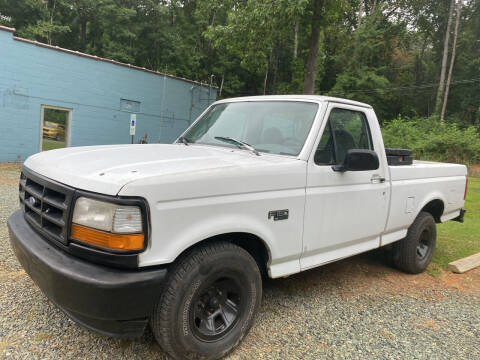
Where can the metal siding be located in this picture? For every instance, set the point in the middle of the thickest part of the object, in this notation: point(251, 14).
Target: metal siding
point(31, 76)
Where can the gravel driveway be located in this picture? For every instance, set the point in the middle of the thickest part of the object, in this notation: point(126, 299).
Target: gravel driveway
point(353, 309)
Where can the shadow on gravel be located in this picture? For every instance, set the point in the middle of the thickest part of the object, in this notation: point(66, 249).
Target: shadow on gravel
point(369, 266)
point(370, 273)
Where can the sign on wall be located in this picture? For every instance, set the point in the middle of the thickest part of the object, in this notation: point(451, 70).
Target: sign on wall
point(129, 105)
point(133, 123)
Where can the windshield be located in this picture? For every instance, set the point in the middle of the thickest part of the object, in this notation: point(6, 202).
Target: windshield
point(277, 127)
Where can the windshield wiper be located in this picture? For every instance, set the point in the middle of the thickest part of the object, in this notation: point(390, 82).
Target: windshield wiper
point(184, 140)
point(240, 144)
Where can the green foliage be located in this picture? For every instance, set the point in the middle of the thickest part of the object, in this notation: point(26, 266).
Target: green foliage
point(385, 53)
point(56, 116)
point(43, 30)
point(375, 48)
point(52, 144)
point(114, 31)
point(431, 140)
point(359, 85)
point(256, 33)
point(5, 20)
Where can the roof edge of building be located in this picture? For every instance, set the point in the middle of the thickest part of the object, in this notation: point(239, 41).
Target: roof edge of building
point(94, 57)
point(6, 28)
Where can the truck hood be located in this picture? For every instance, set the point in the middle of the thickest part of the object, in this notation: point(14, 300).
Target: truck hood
point(106, 169)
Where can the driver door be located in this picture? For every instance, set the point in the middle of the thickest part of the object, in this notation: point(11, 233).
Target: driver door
point(345, 212)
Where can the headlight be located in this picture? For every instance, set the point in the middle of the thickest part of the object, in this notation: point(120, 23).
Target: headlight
point(107, 216)
point(107, 225)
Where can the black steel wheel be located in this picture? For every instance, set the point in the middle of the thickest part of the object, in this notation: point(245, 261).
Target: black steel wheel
point(424, 244)
point(208, 303)
point(414, 253)
point(216, 308)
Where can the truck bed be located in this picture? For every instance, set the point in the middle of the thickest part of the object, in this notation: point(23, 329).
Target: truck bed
point(413, 186)
point(426, 169)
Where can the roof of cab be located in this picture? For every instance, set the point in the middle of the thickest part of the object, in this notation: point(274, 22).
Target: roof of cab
point(296, 97)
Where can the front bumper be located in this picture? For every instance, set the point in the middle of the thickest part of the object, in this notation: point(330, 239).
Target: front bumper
point(113, 302)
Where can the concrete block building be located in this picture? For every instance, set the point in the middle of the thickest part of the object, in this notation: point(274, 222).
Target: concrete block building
point(97, 96)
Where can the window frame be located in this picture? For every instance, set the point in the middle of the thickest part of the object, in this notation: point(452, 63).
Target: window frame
point(68, 124)
point(310, 139)
point(332, 133)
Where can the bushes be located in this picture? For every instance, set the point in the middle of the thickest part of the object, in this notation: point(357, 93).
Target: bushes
point(431, 140)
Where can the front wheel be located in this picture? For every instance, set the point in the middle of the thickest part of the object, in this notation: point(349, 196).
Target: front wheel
point(209, 302)
point(414, 253)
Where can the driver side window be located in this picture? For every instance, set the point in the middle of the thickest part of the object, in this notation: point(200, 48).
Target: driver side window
point(345, 130)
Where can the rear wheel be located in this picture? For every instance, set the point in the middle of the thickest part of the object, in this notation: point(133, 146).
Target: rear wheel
point(209, 302)
point(414, 253)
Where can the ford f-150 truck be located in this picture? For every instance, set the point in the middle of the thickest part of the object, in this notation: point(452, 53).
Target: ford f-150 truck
point(181, 235)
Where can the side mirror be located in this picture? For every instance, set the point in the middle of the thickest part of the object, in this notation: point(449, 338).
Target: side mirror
point(358, 160)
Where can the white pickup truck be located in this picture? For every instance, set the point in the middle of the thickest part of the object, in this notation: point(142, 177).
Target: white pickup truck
point(180, 235)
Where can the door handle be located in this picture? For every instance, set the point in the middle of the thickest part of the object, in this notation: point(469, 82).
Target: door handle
point(377, 179)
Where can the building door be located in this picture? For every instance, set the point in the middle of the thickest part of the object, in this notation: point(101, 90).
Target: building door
point(55, 127)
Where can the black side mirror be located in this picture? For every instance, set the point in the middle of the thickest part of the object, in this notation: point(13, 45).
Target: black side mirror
point(358, 160)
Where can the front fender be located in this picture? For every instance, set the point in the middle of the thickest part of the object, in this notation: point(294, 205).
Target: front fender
point(225, 224)
point(178, 225)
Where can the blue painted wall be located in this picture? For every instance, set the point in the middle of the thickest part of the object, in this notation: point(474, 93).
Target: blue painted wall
point(32, 76)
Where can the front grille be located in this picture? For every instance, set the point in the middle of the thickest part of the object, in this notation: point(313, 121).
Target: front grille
point(46, 205)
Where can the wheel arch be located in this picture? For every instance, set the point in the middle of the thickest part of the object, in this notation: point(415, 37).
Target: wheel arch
point(435, 207)
point(250, 242)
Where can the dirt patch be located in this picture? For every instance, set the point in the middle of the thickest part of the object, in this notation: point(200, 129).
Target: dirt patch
point(474, 170)
point(370, 274)
point(430, 324)
point(468, 282)
point(12, 275)
point(9, 173)
point(10, 166)
point(8, 180)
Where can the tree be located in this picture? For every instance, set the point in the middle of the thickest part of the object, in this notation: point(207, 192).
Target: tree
point(85, 11)
point(43, 26)
point(441, 84)
point(255, 33)
point(452, 61)
point(311, 66)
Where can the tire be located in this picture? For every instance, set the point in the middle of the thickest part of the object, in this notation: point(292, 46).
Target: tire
point(413, 253)
point(195, 317)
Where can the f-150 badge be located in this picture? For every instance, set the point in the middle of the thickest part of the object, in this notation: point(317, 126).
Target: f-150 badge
point(278, 214)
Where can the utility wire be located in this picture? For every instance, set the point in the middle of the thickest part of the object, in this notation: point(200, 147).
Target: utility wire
point(403, 88)
point(53, 100)
point(422, 87)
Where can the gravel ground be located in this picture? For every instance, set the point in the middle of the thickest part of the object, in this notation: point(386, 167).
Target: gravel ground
point(354, 309)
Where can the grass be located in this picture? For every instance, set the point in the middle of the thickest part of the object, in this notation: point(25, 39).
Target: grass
point(456, 240)
point(52, 144)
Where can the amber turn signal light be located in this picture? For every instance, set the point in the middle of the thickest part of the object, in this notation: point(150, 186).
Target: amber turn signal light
point(107, 240)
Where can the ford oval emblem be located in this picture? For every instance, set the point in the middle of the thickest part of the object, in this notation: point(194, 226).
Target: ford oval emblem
point(32, 201)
